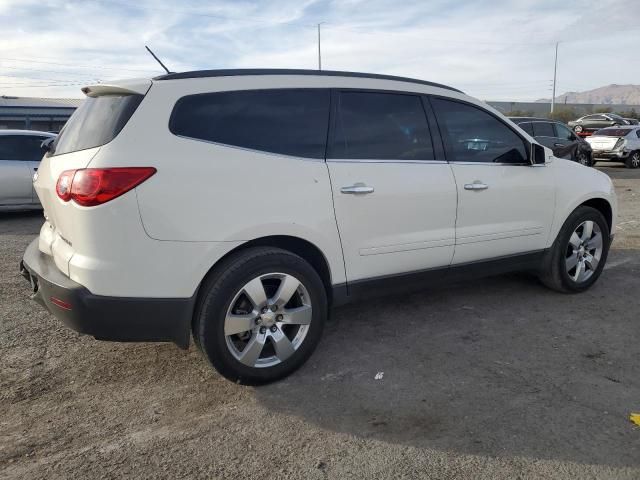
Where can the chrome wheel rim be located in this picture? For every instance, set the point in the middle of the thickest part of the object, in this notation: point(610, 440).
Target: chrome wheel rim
point(268, 320)
point(635, 160)
point(584, 251)
point(578, 129)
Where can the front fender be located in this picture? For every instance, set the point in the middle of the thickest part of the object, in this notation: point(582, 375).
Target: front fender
point(575, 185)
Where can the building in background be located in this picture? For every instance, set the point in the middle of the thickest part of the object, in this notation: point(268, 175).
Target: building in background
point(44, 114)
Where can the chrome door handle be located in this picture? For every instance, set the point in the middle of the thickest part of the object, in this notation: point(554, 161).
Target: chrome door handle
point(558, 144)
point(476, 186)
point(357, 188)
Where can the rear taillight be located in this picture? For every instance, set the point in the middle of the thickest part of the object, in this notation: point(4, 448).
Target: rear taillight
point(63, 186)
point(618, 144)
point(94, 186)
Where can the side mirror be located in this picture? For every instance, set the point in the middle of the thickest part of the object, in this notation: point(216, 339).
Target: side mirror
point(46, 144)
point(538, 154)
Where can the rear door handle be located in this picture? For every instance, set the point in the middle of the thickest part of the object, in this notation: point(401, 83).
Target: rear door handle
point(558, 144)
point(477, 185)
point(357, 189)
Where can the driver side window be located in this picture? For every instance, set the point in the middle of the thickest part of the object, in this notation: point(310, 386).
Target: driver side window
point(471, 134)
point(563, 132)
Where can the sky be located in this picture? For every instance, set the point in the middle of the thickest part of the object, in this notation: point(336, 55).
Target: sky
point(491, 49)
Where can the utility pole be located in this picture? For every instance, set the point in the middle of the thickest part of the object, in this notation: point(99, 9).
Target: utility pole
point(319, 52)
point(555, 71)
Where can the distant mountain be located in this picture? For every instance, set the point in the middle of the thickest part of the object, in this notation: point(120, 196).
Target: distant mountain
point(611, 94)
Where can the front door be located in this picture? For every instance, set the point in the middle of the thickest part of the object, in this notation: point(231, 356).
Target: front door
point(505, 205)
point(15, 179)
point(395, 203)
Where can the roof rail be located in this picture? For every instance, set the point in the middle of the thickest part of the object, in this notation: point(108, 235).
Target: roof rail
point(285, 71)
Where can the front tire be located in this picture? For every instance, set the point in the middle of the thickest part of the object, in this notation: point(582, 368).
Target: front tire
point(633, 160)
point(576, 258)
point(584, 159)
point(261, 315)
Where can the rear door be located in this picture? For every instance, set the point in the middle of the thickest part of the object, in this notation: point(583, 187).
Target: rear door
point(394, 195)
point(566, 141)
point(505, 205)
point(15, 176)
point(545, 134)
point(33, 155)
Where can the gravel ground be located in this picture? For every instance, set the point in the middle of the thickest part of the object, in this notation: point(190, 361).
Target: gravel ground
point(496, 378)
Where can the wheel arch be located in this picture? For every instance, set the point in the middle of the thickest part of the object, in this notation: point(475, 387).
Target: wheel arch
point(299, 246)
point(603, 206)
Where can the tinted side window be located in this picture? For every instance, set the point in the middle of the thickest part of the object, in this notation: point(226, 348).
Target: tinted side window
point(471, 134)
point(21, 147)
point(527, 127)
point(288, 122)
point(638, 133)
point(543, 129)
point(385, 126)
point(563, 132)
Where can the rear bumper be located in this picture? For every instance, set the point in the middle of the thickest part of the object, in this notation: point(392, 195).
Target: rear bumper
point(122, 319)
point(609, 155)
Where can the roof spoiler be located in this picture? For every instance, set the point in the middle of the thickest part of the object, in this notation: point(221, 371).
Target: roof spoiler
point(125, 87)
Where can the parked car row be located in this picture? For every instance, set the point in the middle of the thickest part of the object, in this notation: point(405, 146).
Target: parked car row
point(558, 137)
point(591, 123)
point(20, 155)
point(619, 144)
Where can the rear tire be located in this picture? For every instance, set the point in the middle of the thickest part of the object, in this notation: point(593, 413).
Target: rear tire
point(576, 259)
point(633, 160)
point(261, 315)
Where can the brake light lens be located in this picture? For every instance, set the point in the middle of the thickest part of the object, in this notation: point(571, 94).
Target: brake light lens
point(63, 186)
point(94, 186)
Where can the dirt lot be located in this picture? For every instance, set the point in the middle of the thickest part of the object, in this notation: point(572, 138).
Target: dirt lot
point(498, 378)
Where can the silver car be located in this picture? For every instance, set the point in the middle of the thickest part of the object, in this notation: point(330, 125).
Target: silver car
point(20, 155)
point(617, 144)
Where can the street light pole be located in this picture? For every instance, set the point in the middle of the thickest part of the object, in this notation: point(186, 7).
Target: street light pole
point(555, 71)
point(319, 52)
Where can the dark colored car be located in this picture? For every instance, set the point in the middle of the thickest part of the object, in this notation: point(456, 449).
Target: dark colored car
point(596, 121)
point(558, 137)
point(632, 121)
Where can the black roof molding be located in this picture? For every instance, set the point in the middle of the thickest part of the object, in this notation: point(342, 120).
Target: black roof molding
point(286, 71)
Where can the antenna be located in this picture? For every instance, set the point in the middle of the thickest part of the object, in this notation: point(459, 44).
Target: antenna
point(157, 59)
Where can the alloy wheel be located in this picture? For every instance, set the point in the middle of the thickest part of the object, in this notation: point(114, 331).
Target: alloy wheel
point(584, 251)
point(268, 320)
point(583, 159)
point(635, 160)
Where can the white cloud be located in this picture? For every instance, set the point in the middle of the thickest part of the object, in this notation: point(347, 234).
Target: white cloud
point(491, 49)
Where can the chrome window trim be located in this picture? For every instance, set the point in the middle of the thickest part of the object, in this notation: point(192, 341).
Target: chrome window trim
point(490, 164)
point(373, 160)
point(251, 150)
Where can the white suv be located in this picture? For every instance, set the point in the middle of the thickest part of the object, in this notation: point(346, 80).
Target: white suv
point(240, 205)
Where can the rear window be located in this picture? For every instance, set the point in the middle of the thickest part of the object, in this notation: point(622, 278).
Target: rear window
point(96, 122)
point(527, 127)
point(283, 121)
point(543, 129)
point(21, 147)
point(613, 132)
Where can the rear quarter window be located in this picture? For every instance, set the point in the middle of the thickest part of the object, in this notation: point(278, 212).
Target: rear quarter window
point(283, 121)
point(96, 122)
